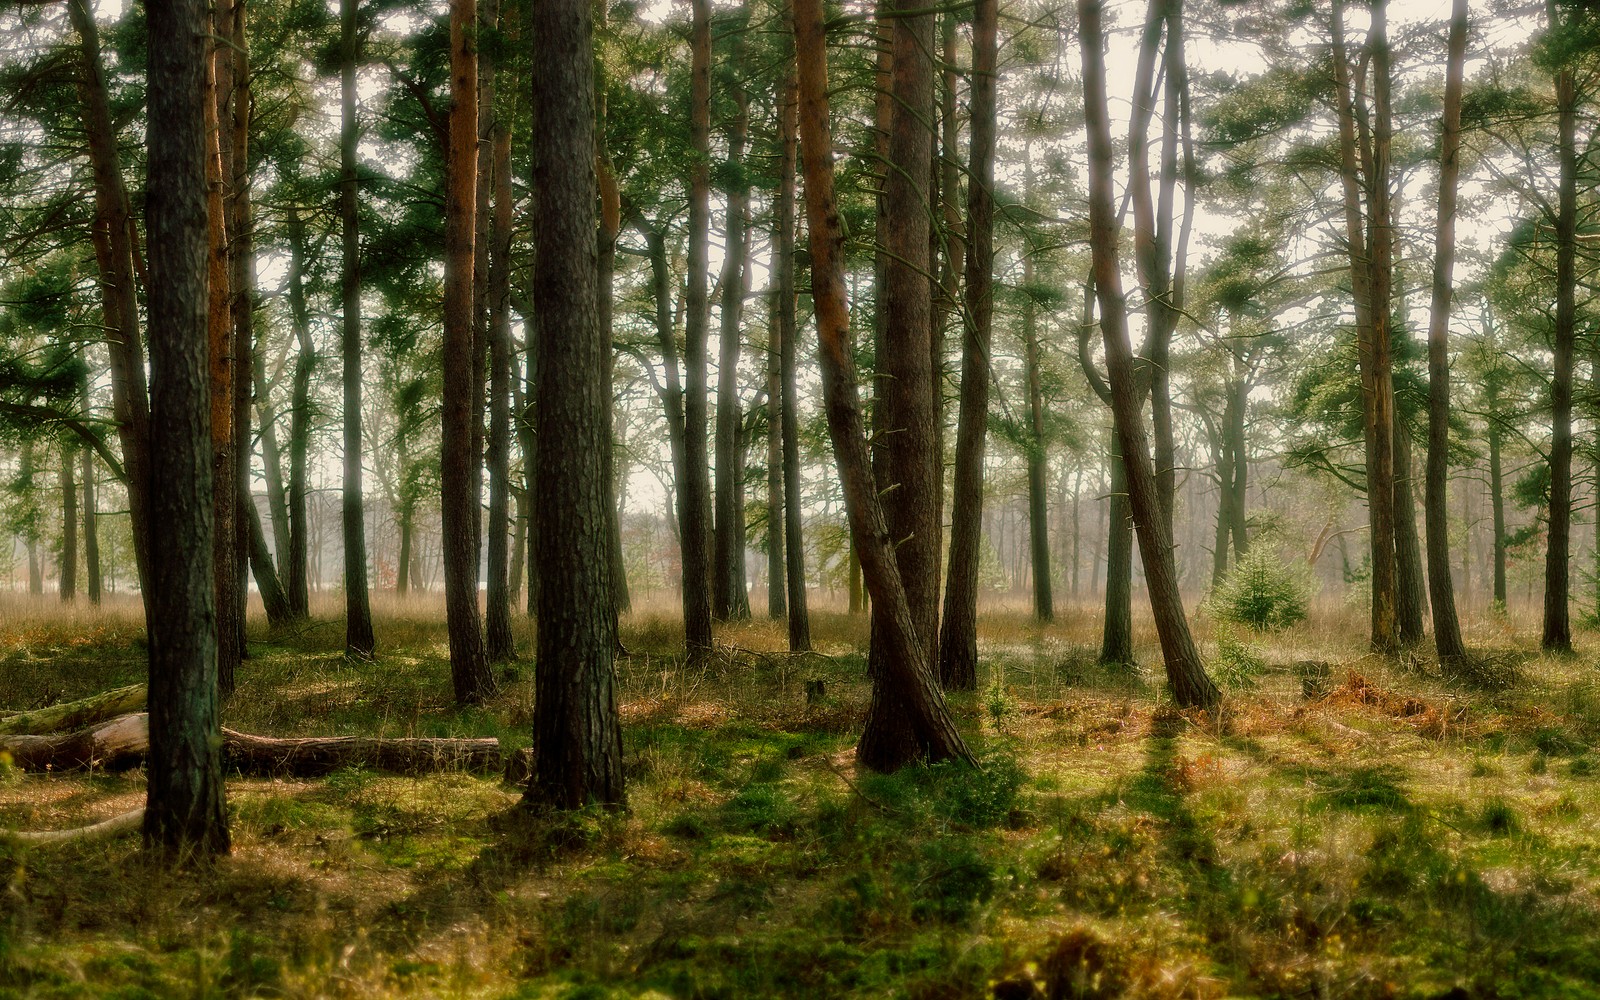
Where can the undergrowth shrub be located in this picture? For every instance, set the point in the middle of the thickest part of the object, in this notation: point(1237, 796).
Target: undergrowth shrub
point(1238, 663)
point(1261, 593)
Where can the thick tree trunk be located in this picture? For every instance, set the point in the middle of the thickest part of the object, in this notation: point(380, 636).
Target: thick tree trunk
point(788, 363)
point(958, 645)
point(305, 362)
point(186, 813)
point(903, 408)
point(730, 600)
point(695, 489)
point(1557, 634)
point(906, 676)
point(1185, 672)
point(577, 736)
point(69, 525)
point(359, 642)
point(1446, 627)
point(114, 242)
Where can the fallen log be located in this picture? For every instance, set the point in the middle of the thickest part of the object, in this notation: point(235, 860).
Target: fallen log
point(74, 714)
point(123, 742)
point(104, 830)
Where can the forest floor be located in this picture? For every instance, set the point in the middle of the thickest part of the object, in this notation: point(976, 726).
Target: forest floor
point(1389, 835)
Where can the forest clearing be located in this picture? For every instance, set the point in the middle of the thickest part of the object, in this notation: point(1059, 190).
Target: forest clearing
point(1390, 835)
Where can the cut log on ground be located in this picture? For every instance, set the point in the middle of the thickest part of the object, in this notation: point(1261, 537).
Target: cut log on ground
point(73, 715)
point(123, 742)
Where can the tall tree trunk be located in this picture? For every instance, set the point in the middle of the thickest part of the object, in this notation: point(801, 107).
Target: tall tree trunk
point(359, 642)
point(1557, 635)
point(777, 593)
point(730, 601)
point(242, 301)
point(305, 362)
point(1038, 459)
point(695, 488)
point(186, 813)
point(272, 462)
point(1369, 279)
point(1116, 630)
point(577, 735)
point(906, 676)
point(1446, 627)
point(788, 354)
point(904, 403)
point(69, 525)
point(958, 646)
point(469, 667)
point(91, 524)
point(1185, 672)
point(610, 227)
point(1235, 440)
point(114, 242)
point(498, 643)
point(219, 320)
point(857, 589)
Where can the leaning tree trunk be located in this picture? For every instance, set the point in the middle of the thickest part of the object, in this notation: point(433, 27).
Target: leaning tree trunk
point(359, 642)
point(1446, 627)
point(186, 814)
point(904, 402)
point(1185, 671)
point(469, 667)
point(907, 674)
point(577, 736)
point(114, 252)
point(1557, 635)
point(958, 645)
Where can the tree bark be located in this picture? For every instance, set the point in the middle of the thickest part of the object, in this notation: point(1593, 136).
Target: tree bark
point(91, 526)
point(958, 645)
point(777, 593)
point(788, 363)
point(69, 526)
point(730, 599)
point(1446, 626)
point(903, 407)
point(305, 363)
point(359, 642)
point(498, 643)
point(273, 598)
point(1038, 459)
point(1369, 250)
point(906, 679)
point(219, 326)
point(242, 302)
point(469, 667)
point(695, 488)
point(577, 735)
point(1411, 586)
point(1557, 633)
point(186, 811)
point(1185, 672)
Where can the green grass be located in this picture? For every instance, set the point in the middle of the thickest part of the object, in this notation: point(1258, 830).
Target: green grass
point(1401, 836)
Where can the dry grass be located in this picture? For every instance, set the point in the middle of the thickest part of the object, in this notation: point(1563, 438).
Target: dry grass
point(1395, 834)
